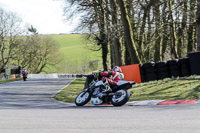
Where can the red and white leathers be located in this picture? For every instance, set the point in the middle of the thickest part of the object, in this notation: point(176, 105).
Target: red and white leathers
point(115, 77)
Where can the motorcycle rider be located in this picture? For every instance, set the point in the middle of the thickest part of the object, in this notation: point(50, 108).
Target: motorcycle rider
point(24, 72)
point(116, 74)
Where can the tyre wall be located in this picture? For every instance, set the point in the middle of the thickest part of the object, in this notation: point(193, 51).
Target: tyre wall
point(149, 71)
point(194, 59)
point(160, 70)
point(171, 68)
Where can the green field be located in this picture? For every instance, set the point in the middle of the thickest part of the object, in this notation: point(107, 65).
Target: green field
point(76, 53)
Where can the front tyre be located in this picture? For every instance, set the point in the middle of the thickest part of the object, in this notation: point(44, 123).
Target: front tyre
point(82, 98)
point(120, 97)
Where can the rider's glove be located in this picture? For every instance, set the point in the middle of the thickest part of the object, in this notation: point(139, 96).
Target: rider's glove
point(97, 73)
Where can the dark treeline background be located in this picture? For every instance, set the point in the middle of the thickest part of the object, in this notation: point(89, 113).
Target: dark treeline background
point(139, 31)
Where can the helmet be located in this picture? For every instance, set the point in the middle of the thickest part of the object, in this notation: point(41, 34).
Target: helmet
point(117, 69)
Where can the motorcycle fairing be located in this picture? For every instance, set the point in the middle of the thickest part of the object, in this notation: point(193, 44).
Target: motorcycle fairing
point(122, 82)
point(96, 101)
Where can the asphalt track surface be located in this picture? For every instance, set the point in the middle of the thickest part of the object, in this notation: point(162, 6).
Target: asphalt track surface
point(28, 107)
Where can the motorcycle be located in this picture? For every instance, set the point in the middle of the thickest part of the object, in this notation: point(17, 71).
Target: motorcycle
point(25, 74)
point(97, 93)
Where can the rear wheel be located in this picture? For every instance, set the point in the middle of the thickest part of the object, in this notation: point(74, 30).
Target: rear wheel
point(24, 78)
point(120, 97)
point(82, 98)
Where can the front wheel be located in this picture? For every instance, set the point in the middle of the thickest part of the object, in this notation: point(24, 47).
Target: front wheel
point(120, 97)
point(82, 98)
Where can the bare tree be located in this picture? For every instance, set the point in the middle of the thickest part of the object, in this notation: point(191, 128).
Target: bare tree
point(38, 53)
point(93, 20)
point(10, 29)
point(116, 45)
point(198, 25)
point(173, 30)
point(191, 28)
point(146, 30)
point(128, 33)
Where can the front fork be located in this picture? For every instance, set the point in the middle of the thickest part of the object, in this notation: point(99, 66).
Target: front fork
point(88, 90)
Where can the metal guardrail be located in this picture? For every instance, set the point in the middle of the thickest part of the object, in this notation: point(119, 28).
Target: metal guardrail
point(56, 75)
point(3, 76)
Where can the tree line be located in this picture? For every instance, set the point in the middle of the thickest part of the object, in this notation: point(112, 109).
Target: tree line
point(22, 46)
point(139, 31)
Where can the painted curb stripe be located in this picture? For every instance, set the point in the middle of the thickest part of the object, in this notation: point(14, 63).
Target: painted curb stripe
point(172, 102)
point(102, 105)
point(153, 103)
point(198, 101)
point(143, 103)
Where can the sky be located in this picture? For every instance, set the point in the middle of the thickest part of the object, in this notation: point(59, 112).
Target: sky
point(45, 15)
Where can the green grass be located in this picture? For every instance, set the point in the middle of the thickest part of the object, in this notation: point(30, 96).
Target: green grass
point(9, 80)
point(167, 89)
point(75, 51)
point(69, 93)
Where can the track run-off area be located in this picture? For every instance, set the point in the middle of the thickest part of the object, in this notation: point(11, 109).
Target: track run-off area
point(29, 107)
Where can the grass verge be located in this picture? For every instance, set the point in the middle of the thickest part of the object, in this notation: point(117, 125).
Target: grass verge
point(69, 93)
point(9, 80)
point(167, 89)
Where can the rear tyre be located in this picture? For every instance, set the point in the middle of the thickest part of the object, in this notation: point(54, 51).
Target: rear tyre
point(82, 98)
point(24, 78)
point(120, 97)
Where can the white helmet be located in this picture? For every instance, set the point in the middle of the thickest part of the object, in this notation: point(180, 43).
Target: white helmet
point(117, 69)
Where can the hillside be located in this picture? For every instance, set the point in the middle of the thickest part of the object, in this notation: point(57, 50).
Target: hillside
point(76, 53)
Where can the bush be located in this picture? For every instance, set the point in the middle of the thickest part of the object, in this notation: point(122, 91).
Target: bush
point(93, 65)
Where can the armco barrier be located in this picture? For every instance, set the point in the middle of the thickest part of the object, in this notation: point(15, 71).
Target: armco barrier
point(56, 75)
point(42, 76)
point(3, 76)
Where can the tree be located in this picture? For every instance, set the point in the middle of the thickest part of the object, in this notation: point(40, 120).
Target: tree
point(128, 33)
point(141, 30)
point(158, 34)
point(38, 53)
point(33, 30)
point(93, 19)
point(182, 28)
point(198, 25)
point(10, 29)
point(173, 30)
point(103, 38)
point(191, 33)
point(116, 38)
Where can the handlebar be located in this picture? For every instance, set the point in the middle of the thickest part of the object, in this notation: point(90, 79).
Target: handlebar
point(98, 76)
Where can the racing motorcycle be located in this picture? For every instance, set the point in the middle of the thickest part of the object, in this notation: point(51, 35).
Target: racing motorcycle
point(99, 92)
point(25, 74)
